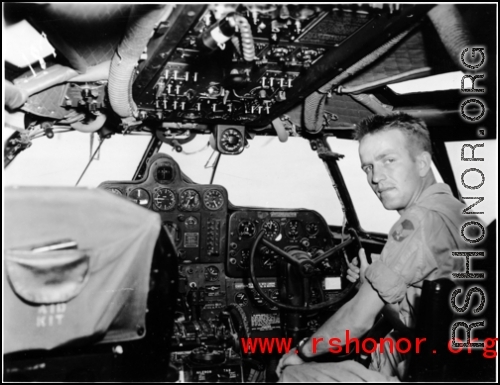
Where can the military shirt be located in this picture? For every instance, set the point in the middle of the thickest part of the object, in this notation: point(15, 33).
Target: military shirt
point(419, 247)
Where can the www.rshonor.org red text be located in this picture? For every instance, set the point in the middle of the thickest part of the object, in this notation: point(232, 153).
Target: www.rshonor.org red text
point(366, 346)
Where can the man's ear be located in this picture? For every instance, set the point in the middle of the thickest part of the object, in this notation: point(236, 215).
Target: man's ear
point(424, 161)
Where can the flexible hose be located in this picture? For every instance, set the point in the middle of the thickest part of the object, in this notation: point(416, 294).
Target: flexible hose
point(141, 23)
point(92, 126)
point(372, 103)
point(451, 29)
point(247, 43)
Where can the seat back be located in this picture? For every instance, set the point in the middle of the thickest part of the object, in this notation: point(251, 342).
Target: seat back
point(96, 307)
point(434, 322)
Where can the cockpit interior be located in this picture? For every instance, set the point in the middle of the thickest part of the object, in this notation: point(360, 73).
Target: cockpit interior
point(163, 271)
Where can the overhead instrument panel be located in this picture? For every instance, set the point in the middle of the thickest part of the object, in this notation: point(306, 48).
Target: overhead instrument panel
point(233, 64)
point(288, 229)
point(195, 215)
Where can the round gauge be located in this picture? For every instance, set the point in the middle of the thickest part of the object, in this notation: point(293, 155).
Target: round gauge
point(231, 140)
point(139, 196)
point(114, 190)
point(246, 229)
point(191, 222)
point(257, 297)
point(189, 200)
point(292, 229)
point(164, 173)
point(271, 229)
point(211, 273)
point(164, 199)
point(274, 294)
point(241, 299)
point(312, 228)
point(268, 261)
point(245, 259)
point(213, 199)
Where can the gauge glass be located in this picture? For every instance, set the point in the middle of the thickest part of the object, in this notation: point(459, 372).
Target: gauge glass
point(191, 222)
point(271, 229)
point(257, 297)
point(213, 199)
point(246, 229)
point(164, 199)
point(164, 173)
point(269, 261)
point(241, 299)
point(231, 140)
point(292, 229)
point(274, 294)
point(189, 200)
point(211, 273)
point(312, 228)
point(139, 196)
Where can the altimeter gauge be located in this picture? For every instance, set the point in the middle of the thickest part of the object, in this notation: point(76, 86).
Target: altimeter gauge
point(164, 199)
point(213, 199)
point(189, 200)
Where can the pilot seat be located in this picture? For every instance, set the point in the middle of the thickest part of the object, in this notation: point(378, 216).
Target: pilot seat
point(90, 283)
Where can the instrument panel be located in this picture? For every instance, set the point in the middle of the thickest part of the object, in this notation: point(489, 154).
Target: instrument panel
point(288, 229)
point(193, 214)
point(214, 240)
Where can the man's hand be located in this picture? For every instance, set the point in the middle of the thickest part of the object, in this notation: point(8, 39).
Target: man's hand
point(353, 271)
point(291, 358)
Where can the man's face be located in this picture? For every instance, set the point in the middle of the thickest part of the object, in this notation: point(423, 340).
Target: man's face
point(391, 172)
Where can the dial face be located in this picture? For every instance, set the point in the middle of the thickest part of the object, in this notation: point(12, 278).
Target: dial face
point(164, 173)
point(231, 140)
point(257, 297)
point(140, 196)
point(164, 199)
point(241, 299)
point(292, 229)
point(271, 229)
point(189, 200)
point(114, 190)
point(191, 222)
point(246, 229)
point(268, 261)
point(312, 228)
point(274, 294)
point(211, 273)
point(213, 199)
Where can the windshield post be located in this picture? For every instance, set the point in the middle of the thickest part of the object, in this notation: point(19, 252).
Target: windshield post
point(152, 149)
point(330, 160)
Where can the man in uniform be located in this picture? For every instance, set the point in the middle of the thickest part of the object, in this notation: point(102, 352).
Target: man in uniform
point(395, 153)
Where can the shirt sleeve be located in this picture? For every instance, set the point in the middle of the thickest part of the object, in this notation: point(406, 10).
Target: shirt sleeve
point(407, 257)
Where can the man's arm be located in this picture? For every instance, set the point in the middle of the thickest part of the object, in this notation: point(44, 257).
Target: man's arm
point(358, 316)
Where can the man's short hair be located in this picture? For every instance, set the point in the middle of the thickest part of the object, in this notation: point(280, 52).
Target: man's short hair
point(415, 130)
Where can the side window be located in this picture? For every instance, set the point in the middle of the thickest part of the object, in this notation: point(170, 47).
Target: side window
point(60, 161)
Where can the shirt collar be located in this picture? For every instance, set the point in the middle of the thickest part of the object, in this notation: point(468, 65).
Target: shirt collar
point(436, 188)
